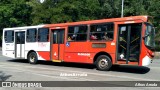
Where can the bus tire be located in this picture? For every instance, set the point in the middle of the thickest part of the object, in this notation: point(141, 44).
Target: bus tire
point(32, 58)
point(103, 63)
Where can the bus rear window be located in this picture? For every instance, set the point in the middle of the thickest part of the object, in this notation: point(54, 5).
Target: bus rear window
point(9, 36)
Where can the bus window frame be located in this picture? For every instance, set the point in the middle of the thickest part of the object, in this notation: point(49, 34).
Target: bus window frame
point(79, 33)
point(102, 23)
point(36, 39)
point(5, 36)
point(38, 35)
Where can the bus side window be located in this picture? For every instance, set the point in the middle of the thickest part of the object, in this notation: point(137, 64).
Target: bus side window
point(43, 34)
point(77, 33)
point(9, 36)
point(31, 35)
point(102, 31)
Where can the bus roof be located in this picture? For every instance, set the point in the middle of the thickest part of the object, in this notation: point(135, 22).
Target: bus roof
point(25, 27)
point(131, 18)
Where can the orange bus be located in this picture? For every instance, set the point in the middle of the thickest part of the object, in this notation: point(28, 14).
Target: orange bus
point(128, 40)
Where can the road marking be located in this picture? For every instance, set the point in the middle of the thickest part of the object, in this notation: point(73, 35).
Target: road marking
point(110, 75)
point(45, 75)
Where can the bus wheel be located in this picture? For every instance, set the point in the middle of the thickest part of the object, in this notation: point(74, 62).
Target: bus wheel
point(103, 63)
point(32, 58)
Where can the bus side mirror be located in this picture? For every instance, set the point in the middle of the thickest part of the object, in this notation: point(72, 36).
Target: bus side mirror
point(145, 36)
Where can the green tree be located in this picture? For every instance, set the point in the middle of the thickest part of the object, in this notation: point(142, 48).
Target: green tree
point(14, 13)
point(53, 11)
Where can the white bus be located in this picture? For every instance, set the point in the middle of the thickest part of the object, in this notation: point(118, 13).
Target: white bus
point(20, 41)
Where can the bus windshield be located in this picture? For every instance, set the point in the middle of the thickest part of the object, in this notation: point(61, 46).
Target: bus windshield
point(149, 36)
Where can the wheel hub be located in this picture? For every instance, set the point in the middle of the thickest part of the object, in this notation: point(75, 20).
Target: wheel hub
point(103, 63)
point(32, 59)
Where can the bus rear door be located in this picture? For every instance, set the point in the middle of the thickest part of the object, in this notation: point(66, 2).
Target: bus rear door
point(19, 44)
point(57, 45)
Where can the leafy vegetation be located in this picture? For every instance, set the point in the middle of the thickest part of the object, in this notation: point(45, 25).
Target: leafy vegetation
point(15, 13)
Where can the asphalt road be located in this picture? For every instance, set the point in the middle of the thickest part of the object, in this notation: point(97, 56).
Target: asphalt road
point(21, 70)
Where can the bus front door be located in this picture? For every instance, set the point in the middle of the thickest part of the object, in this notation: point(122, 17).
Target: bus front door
point(129, 39)
point(57, 45)
point(19, 44)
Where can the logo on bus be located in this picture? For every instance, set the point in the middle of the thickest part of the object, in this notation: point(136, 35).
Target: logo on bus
point(67, 44)
point(42, 45)
point(84, 54)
